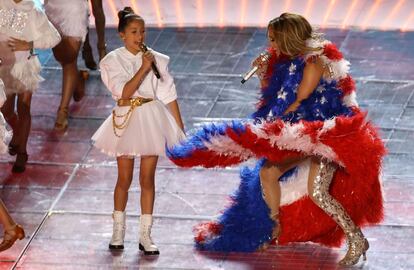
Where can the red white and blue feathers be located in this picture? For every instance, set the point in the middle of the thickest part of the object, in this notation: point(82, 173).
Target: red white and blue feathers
point(328, 124)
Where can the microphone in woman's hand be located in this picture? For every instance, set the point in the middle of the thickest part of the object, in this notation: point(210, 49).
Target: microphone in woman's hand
point(153, 66)
point(264, 57)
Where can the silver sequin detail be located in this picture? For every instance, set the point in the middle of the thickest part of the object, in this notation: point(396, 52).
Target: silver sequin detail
point(292, 69)
point(320, 89)
point(282, 94)
point(357, 244)
point(13, 19)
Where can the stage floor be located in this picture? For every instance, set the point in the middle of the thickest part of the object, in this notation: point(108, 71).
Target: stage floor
point(64, 199)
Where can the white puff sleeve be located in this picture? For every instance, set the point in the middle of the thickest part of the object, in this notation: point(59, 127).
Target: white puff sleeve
point(44, 34)
point(113, 76)
point(166, 91)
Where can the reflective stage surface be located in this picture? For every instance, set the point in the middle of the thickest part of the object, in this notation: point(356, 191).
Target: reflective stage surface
point(64, 199)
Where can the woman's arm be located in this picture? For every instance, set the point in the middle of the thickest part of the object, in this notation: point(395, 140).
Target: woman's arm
point(132, 85)
point(312, 75)
point(175, 111)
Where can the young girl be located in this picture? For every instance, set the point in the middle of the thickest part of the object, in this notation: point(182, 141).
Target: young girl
point(23, 27)
point(12, 231)
point(140, 124)
point(318, 174)
point(71, 20)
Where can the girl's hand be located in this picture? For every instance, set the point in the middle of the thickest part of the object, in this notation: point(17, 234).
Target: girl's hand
point(147, 60)
point(19, 45)
point(293, 107)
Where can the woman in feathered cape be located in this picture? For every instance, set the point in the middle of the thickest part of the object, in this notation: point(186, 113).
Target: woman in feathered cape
point(317, 178)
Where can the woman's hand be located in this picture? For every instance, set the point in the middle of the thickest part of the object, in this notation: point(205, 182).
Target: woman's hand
point(147, 60)
point(19, 45)
point(293, 107)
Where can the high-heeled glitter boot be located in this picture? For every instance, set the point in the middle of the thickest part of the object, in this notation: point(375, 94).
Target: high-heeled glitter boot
point(357, 243)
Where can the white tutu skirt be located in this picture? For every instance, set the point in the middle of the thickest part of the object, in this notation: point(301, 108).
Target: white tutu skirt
point(70, 17)
point(5, 135)
point(18, 73)
point(150, 128)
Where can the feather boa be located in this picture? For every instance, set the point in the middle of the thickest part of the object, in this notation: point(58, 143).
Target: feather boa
point(328, 125)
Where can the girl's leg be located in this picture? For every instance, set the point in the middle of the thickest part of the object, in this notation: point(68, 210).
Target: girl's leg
point(320, 178)
point(25, 122)
point(125, 174)
point(269, 179)
point(11, 119)
point(73, 81)
point(147, 183)
point(98, 13)
point(12, 231)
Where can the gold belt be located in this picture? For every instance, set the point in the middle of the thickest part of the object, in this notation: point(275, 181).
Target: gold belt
point(132, 102)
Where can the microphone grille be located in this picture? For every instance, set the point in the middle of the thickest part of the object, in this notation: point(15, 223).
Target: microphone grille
point(265, 56)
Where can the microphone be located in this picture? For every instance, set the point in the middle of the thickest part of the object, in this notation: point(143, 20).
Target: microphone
point(265, 57)
point(153, 66)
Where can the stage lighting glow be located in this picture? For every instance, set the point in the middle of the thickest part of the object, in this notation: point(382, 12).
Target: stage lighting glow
point(308, 9)
point(370, 14)
point(200, 13)
point(221, 13)
point(157, 12)
point(134, 6)
point(113, 9)
point(328, 12)
point(180, 20)
point(394, 11)
point(243, 13)
point(287, 6)
point(348, 14)
point(263, 16)
point(407, 22)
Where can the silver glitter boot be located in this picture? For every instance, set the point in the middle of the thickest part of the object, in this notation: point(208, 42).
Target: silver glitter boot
point(357, 243)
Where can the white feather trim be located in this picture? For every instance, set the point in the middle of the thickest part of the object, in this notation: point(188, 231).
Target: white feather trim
point(350, 100)
point(27, 75)
point(292, 137)
point(227, 147)
point(338, 69)
point(296, 186)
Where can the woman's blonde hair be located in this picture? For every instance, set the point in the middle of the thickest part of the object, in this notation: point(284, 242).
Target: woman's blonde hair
point(291, 32)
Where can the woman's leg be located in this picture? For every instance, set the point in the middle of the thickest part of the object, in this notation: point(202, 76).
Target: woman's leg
point(25, 123)
point(5, 218)
point(12, 231)
point(87, 54)
point(125, 174)
point(98, 13)
point(320, 177)
point(147, 183)
point(66, 53)
point(12, 119)
point(269, 179)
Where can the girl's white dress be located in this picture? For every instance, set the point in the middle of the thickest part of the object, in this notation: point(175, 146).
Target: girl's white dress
point(3, 131)
point(151, 126)
point(19, 71)
point(70, 17)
